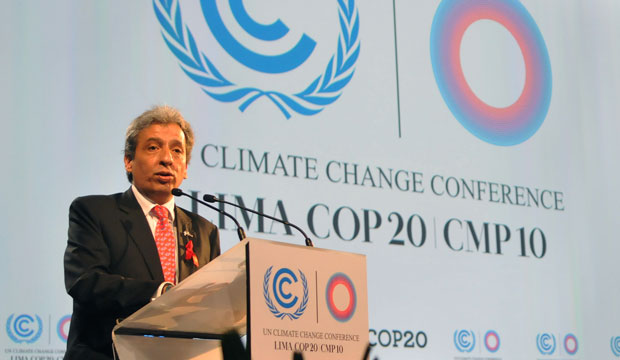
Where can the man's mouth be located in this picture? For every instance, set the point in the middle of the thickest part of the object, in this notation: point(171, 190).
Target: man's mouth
point(164, 176)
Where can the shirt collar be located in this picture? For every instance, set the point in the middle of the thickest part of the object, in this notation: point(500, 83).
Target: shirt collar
point(147, 205)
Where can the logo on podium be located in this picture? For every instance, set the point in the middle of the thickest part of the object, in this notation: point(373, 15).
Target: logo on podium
point(341, 297)
point(283, 287)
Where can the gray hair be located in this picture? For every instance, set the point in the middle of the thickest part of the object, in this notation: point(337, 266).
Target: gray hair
point(163, 115)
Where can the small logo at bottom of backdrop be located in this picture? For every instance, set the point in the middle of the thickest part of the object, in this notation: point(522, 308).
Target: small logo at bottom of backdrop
point(545, 343)
point(570, 344)
point(491, 341)
point(341, 297)
point(24, 328)
point(464, 340)
point(63, 327)
point(285, 277)
point(615, 345)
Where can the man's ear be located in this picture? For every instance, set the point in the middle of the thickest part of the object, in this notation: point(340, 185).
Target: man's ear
point(128, 164)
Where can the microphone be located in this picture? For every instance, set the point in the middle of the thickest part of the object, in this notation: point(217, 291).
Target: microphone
point(210, 198)
point(240, 231)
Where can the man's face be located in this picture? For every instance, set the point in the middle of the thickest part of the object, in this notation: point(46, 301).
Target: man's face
point(159, 164)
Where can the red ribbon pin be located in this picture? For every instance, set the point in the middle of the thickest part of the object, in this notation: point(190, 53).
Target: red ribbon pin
point(189, 252)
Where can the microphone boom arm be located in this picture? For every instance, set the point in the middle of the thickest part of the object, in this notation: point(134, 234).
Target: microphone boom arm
point(240, 231)
point(210, 198)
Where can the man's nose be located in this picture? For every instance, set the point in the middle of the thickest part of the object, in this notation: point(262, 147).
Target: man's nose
point(166, 156)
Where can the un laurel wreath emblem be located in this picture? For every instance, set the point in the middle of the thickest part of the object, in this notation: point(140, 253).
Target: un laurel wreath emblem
point(285, 300)
point(322, 91)
point(24, 328)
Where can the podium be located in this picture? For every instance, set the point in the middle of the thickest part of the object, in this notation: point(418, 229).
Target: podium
point(284, 297)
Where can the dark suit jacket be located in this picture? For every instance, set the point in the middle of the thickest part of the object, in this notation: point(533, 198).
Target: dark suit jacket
point(112, 267)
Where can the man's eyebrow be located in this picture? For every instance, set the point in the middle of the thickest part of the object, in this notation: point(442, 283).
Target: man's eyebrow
point(177, 142)
point(156, 139)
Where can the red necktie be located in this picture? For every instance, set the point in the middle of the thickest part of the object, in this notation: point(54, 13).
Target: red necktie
point(165, 241)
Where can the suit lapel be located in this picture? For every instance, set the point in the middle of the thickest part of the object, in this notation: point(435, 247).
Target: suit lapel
point(185, 233)
point(138, 229)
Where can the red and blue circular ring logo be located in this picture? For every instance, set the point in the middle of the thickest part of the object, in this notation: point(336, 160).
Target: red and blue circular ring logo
point(491, 341)
point(63, 327)
point(570, 344)
point(340, 279)
point(506, 126)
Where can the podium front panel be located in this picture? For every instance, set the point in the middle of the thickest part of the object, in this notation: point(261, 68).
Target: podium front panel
point(308, 300)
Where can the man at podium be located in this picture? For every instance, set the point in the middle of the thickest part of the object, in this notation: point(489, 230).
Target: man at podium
point(127, 248)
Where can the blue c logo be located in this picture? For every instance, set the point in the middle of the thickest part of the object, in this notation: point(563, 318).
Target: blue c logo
point(615, 345)
point(24, 328)
point(545, 343)
point(278, 287)
point(307, 99)
point(284, 298)
point(273, 64)
point(464, 340)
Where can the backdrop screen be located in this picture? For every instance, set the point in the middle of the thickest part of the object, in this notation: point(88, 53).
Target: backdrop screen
point(468, 148)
